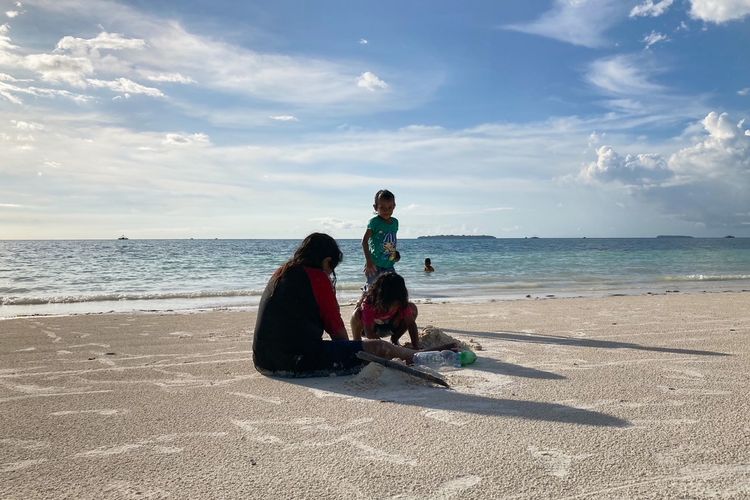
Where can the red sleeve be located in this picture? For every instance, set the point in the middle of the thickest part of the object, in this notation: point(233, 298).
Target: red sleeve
point(325, 296)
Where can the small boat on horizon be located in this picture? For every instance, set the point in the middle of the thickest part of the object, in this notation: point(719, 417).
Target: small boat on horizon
point(123, 237)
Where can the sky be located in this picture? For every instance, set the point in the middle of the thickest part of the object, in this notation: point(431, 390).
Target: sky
point(258, 119)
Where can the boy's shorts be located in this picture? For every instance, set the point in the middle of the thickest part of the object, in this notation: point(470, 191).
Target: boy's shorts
point(334, 357)
point(379, 270)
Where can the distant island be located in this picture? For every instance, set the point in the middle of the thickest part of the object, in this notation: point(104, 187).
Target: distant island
point(672, 236)
point(457, 237)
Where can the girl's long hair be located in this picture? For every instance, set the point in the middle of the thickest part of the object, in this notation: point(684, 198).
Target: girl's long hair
point(313, 250)
point(388, 289)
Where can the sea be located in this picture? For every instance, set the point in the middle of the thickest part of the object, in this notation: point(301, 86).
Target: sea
point(96, 276)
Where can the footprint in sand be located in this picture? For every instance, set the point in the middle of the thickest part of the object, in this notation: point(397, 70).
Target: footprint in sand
point(23, 464)
point(149, 445)
point(316, 433)
point(106, 412)
point(692, 392)
point(128, 489)
point(24, 444)
point(555, 462)
point(685, 374)
point(445, 416)
point(181, 335)
point(270, 400)
point(653, 423)
point(449, 489)
point(52, 335)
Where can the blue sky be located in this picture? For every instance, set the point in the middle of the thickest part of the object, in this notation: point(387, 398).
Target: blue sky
point(559, 118)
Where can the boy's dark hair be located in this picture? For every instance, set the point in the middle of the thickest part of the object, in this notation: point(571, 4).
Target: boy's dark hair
point(313, 250)
point(388, 289)
point(383, 194)
point(427, 262)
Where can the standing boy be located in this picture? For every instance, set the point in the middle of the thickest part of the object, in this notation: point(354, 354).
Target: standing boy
point(379, 241)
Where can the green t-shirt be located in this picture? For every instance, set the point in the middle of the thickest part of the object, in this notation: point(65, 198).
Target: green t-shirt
point(382, 242)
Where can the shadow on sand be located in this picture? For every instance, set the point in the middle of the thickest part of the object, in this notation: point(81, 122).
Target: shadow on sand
point(502, 368)
point(451, 400)
point(538, 338)
point(438, 398)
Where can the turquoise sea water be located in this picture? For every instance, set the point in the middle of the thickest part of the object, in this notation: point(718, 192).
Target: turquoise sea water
point(63, 277)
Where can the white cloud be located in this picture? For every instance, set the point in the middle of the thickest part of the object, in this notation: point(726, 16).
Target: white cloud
point(745, 91)
point(724, 153)
point(649, 8)
point(371, 82)
point(137, 45)
point(8, 92)
point(284, 118)
point(334, 224)
point(265, 76)
point(125, 86)
point(11, 91)
point(22, 125)
point(719, 11)
point(631, 170)
point(5, 41)
point(12, 13)
point(170, 78)
point(706, 182)
point(104, 40)
point(580, 22)
point(363, 41)
point(58, 68)
point(622, 75)
point(186, 139)
point(654, 38)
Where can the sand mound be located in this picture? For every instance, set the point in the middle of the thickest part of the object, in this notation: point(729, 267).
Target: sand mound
point(431, 336)
point(374, 375)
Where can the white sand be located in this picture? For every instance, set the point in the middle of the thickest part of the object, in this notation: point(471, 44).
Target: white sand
point(621, 397)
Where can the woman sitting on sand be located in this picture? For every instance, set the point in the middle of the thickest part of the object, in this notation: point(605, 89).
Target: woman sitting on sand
point(297, 306)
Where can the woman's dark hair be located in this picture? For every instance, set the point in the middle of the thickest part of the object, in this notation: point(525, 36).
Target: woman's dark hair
point(383, 194)
point(313, 250)
point(388, 289)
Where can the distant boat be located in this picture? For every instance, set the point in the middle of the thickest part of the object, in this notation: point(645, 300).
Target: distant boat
point(123, 237)
point(729, 236)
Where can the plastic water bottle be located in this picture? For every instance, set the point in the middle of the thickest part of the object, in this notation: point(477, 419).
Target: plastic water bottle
point(435, 359)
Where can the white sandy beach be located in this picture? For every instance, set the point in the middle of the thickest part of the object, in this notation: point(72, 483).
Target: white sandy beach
point(617, 397)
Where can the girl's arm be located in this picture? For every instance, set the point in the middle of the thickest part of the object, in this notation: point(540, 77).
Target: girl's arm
point(367, 320)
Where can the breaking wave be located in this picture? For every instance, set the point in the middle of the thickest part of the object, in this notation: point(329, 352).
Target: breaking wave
point(116, 297)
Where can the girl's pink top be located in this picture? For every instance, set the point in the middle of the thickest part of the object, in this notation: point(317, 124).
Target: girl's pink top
point(372, 316)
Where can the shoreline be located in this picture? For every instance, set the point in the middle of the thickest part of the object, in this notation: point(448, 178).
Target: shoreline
point(610, 397)
point(125, 306)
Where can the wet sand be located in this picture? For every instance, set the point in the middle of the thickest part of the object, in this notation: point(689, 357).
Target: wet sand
point(618, 397)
